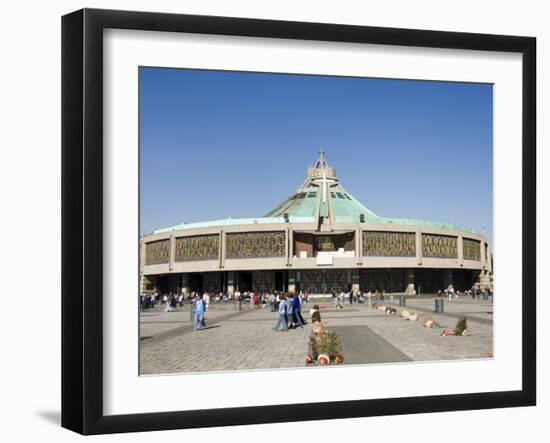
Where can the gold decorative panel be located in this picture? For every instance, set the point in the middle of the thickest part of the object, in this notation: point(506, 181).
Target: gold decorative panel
point(255, 244)
point(389, 244)
point(197, 247)
point(157, 252)
point(439, 246)
point(471, 249)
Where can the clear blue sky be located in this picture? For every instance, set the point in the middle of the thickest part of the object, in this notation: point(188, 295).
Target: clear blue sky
point(228, 144)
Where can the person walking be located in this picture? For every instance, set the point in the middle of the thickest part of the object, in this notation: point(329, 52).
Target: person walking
point(199, 309)
point(290, 311)
point(282, 319)
point(297, 308)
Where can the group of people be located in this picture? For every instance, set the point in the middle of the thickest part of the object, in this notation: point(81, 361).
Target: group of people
point(170, 301)
point(275, 298)
point(474, 292)
point(351, 297)
point(450, 293)
point(289, 307)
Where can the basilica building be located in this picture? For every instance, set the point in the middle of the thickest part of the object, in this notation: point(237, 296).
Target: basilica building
point(320, 239)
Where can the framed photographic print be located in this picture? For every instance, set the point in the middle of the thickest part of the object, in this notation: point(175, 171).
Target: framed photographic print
point(313, 220)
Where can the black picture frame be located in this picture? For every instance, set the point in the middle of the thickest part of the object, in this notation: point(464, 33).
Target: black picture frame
point(82, 218)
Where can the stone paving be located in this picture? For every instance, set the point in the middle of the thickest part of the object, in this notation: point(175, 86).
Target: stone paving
point(424, 344)
point(245, 340)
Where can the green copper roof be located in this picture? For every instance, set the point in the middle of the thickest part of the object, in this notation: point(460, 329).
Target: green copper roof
point(347, 209)
point(234, 222)
point(301, 204)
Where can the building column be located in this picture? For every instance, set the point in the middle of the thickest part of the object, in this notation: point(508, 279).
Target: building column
point(460, 247)
point(355, 281)
point(419, 247)
point(482, 254)
point(289, 252)
point(359, 246)
point(222, 249)
point(291, 281)
point(231, 283)
point(447, 278)
point(409, 281)
point(172, 253)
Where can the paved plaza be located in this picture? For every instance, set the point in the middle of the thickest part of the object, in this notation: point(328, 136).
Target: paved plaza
point(241, 340)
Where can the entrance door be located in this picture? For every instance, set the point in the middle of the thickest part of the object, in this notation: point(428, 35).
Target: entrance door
point(280, 281)
point(195, 283)
point(245, 281)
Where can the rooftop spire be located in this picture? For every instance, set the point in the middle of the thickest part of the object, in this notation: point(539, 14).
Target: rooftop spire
point(321, 163)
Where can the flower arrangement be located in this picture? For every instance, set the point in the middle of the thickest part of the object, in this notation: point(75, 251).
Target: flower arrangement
point(461, 328)
point(325, 346)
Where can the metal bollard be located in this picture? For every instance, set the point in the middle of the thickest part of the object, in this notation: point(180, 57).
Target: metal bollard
point(439, 307)
point(402, 301)
point(192, 313)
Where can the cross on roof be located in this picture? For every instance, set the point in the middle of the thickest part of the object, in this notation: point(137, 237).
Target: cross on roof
point(322, 153)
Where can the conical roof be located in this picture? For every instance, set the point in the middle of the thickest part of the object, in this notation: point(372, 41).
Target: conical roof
point(323, 197)
point(322, 201)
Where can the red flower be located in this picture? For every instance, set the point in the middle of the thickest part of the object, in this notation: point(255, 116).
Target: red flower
point(339, 359)
point(309, 360)
point(323, 359)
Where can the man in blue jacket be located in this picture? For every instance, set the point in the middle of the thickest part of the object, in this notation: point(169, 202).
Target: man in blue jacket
point(297, 310)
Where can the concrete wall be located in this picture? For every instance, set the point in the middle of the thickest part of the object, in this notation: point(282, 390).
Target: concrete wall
point(297, 231)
